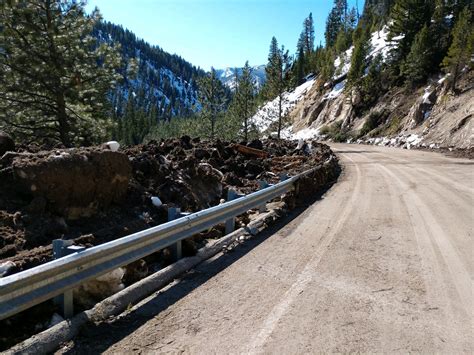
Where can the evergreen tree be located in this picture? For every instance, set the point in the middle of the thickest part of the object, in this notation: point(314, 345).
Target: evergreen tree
point(212, 97)
point(307, 35)
point(304, 51)
point(343, 41)
point(335, 22)
point(300, 67)
point(277, 79)
point(460, 52)
point(417, 65)
point(408, 18)
point(327, 64)
point(371, 84)
point(361, 49)
point(244, 98)
point(439, 32)
point(381, 8)
point(51, 86)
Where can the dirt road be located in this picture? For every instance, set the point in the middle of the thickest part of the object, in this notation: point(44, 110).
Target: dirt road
point(382, 263)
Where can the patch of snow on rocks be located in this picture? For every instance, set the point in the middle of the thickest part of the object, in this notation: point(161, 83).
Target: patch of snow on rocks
point(306, 133)
point(343, 63)
point(379, 43)
point(336, 91)
point(426, 95)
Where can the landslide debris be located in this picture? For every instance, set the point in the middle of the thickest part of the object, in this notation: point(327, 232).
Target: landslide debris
point(94, 195)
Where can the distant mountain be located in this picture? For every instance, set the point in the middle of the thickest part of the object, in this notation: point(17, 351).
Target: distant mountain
point(166, 82)
point(227, 76)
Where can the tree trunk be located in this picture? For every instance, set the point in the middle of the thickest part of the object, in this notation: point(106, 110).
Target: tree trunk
point(64, 126)
point(279, 116)
point(246, 123)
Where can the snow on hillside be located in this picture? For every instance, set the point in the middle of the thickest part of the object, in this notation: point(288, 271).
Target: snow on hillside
point(305, 133)
point(268, 113)
point(227, 76)
point(379, 44)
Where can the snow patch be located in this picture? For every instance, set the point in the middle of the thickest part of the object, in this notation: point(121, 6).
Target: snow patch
point(268, 113)
point(336, 91)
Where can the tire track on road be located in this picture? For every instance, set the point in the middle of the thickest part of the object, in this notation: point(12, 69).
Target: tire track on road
point(436, 234)
point(306, 275)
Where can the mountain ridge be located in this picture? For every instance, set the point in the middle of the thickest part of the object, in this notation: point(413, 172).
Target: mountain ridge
point(227, 76)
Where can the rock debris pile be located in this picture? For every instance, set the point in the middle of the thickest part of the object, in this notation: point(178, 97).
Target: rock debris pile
point(94, 195)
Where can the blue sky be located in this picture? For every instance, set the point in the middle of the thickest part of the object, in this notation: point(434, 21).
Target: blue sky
point(219, 33)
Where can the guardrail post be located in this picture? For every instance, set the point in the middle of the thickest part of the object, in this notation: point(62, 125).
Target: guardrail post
point(66, 300)
point(283, 177)
point(176, 249)
point(262, 184)
point(230, 223)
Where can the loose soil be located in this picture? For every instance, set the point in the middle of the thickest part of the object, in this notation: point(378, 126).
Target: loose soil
point(93, 195)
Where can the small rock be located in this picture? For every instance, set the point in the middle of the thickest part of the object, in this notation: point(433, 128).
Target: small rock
point(155, 200)
point(6, 267)
point(113, 145)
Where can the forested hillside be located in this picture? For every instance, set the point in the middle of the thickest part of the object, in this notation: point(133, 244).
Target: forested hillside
point(68, 77)
point(157, 86)
point(400, 74)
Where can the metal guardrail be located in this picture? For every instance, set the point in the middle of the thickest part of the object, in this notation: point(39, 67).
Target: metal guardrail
point(30, 287)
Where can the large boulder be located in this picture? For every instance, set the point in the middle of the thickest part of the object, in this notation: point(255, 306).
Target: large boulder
point(6, 143)
point(75, 182)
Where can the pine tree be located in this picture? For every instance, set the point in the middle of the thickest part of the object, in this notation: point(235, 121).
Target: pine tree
point(439, 32)
point(308, 31)
point(212, 97)
point(371, 84)
point(277, 79)
point(460, 52)
point(417, 65)
point(408, 18)
point(244, 98)
point(327, 64)
point(361, 49)
point(343, 41)
point(300, 67)
point(51, 86)
point(335, 22)
point(381, 8)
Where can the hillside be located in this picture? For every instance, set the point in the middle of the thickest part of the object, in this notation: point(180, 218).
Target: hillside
point(430, 116)
point(167, 80)
point(379, 88)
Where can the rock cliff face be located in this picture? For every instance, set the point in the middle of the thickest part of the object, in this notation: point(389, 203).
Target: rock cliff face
point(430, 116)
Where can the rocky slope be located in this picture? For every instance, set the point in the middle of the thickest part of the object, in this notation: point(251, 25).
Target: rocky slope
point(430, 116)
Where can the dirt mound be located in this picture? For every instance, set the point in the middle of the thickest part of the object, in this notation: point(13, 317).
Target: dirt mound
point(73, 183)
point(93, 195)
